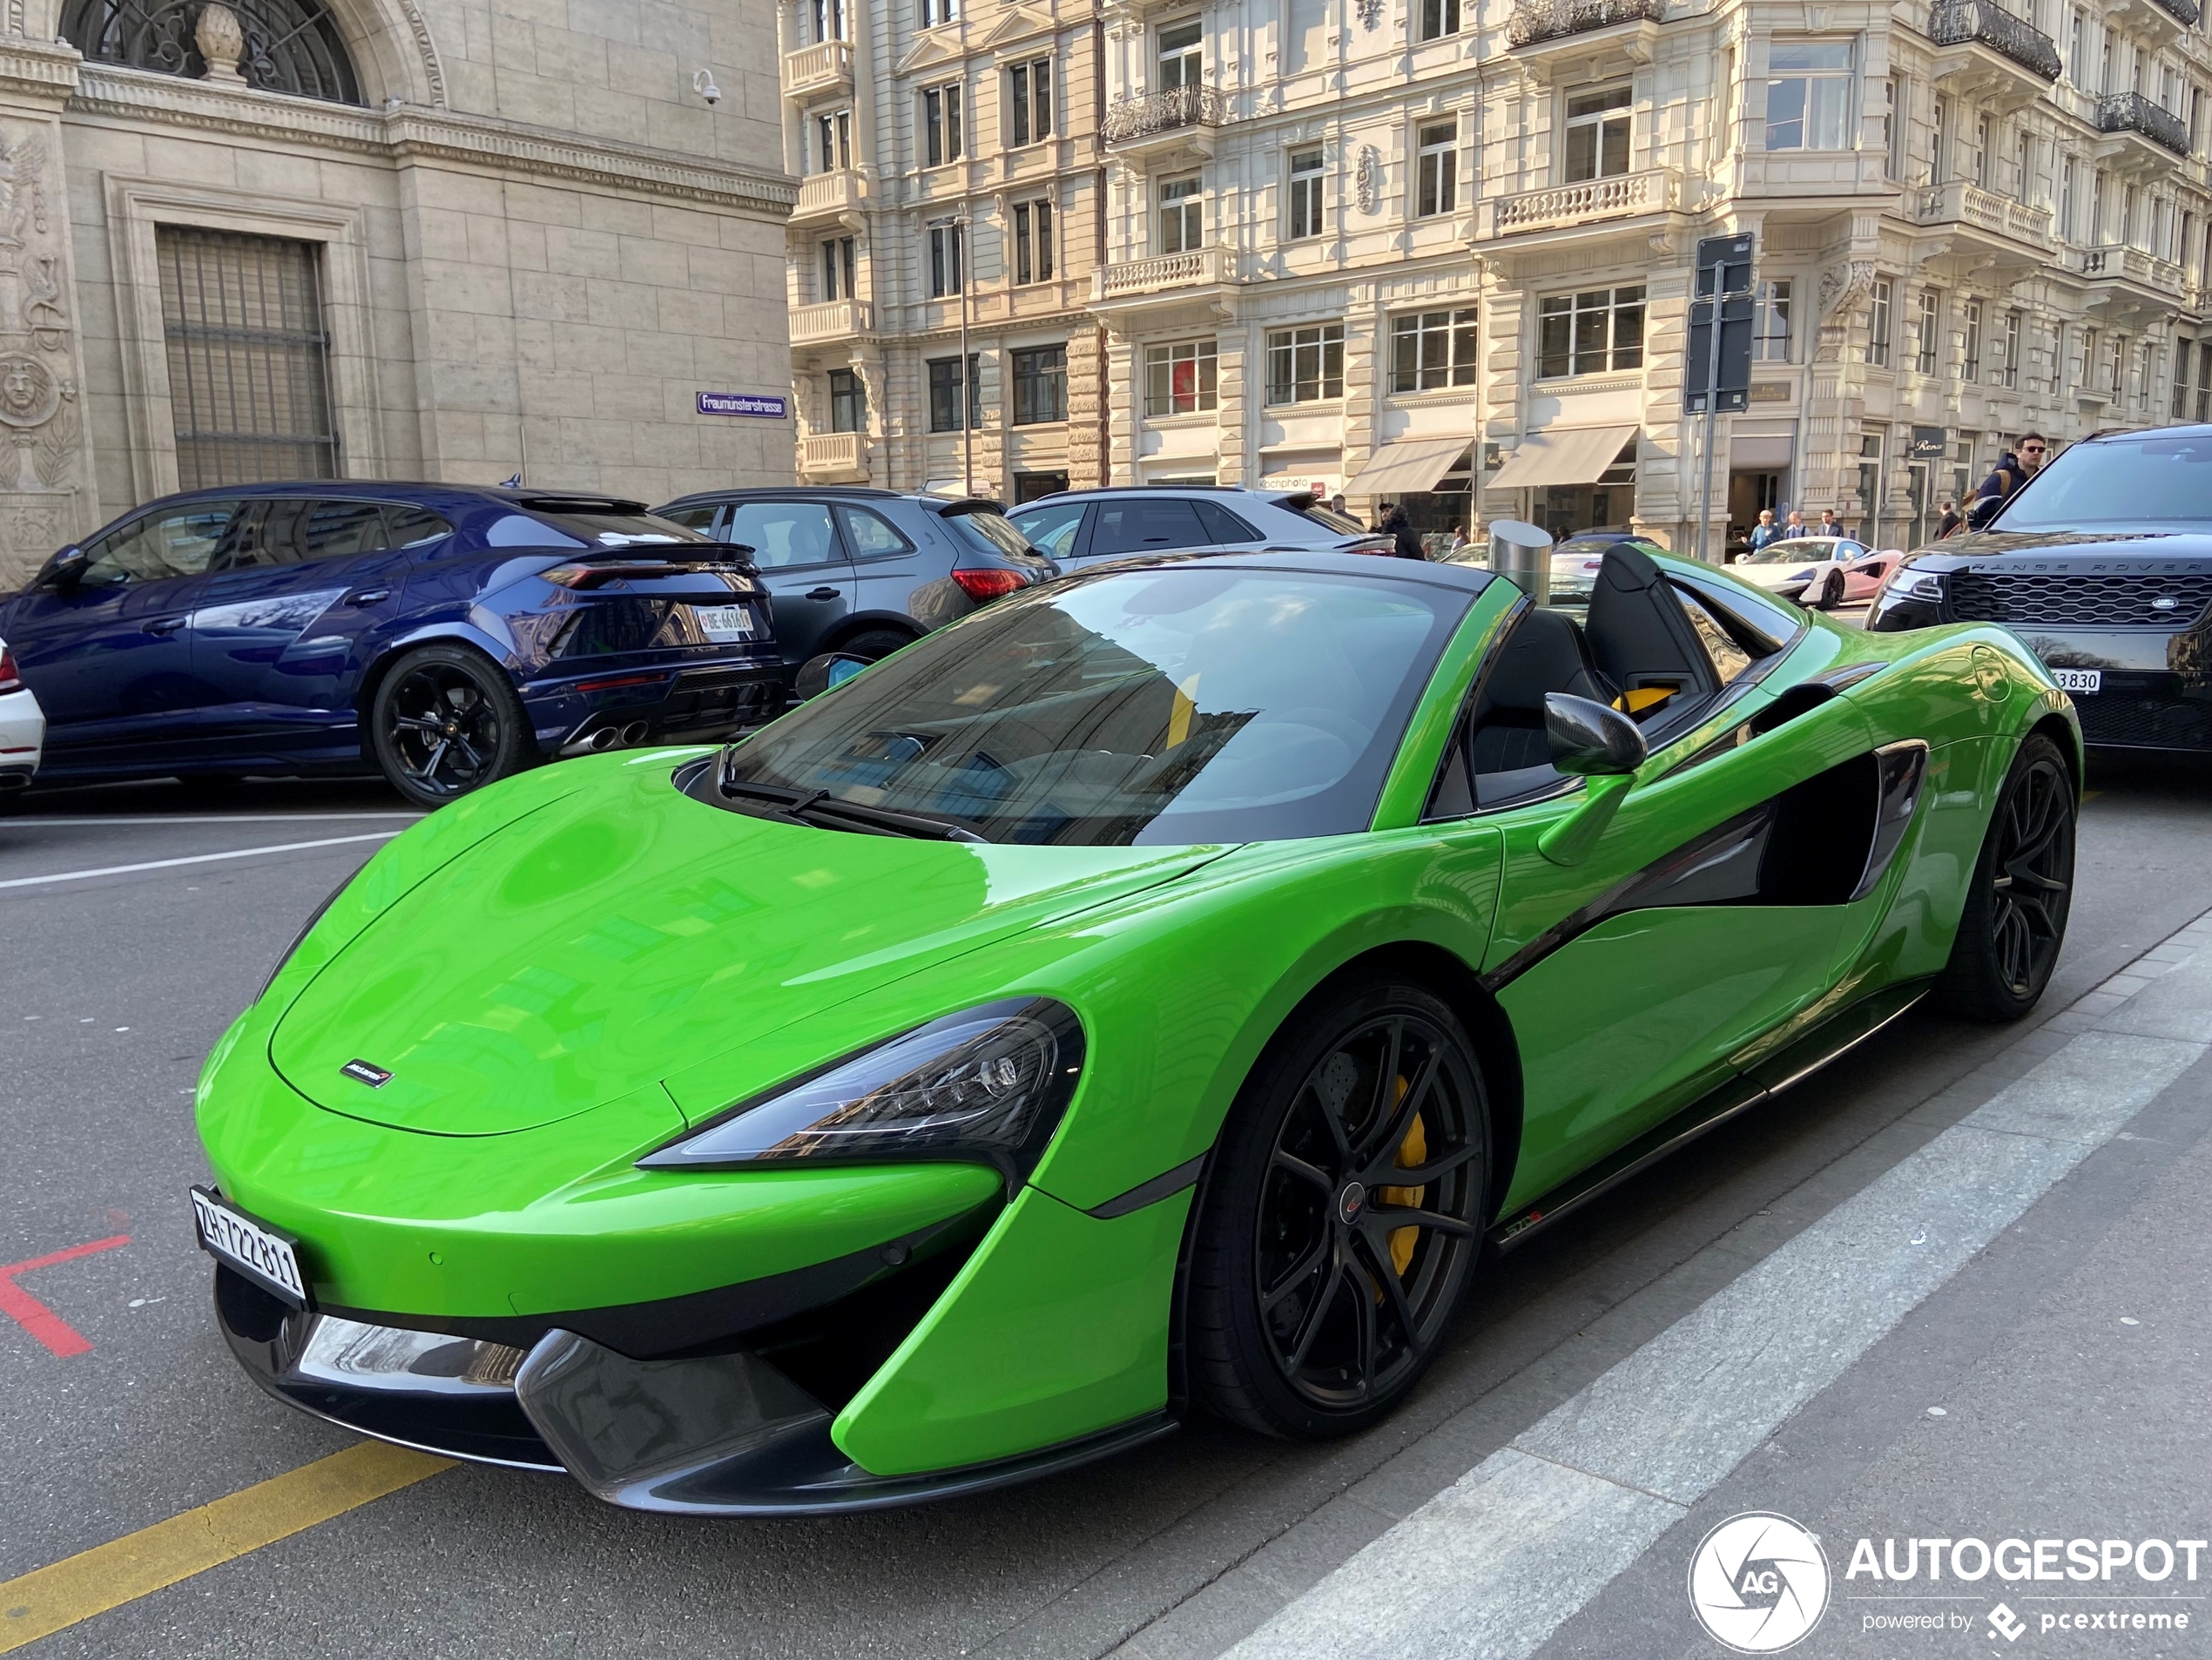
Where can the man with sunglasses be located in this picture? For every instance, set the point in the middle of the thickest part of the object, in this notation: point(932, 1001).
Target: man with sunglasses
point(2018, 466)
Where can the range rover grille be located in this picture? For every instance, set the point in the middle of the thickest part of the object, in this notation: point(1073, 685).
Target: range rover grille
point(2086, 600)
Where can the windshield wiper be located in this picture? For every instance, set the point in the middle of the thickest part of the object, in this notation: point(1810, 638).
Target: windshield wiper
point(809, 807)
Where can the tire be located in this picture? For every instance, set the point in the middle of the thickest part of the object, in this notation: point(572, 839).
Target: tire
point(874, 644)
point(1832, 593)
point(446, 721)
point(1308, 1314)
point(2014, 918)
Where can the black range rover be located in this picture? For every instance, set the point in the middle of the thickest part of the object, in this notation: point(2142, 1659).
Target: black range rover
point(2102, 565)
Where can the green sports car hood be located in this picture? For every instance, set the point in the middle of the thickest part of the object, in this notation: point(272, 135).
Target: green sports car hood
point(625, 931)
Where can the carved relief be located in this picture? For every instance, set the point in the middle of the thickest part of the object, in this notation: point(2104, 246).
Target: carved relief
point(1370, 181)
point(1842, 290)
point(42, 456)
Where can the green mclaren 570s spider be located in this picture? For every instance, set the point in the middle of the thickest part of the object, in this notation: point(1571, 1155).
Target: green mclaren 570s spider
point(1159, 993)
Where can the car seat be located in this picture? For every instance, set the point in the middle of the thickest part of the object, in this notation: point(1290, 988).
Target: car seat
point(1641, 637)
point(1545, 653)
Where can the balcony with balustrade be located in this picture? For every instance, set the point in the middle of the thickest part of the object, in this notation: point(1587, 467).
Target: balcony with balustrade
point(2161, 21)
point(2117, 264)
point(1990, 56)
point(827, 66)
point(833, 458)
point(826, 199)
point(2015, 233)
point(2147, 138)
point(1602, 205)
point(1182, 118)
point(1610, 33)
point(1200, 277)
point(831, 322)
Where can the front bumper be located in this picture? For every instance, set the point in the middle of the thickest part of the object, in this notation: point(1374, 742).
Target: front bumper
point(727, 1434)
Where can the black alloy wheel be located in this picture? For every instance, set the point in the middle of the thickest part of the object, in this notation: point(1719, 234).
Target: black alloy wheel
point(1831, 594)
point(446, 721)
point(873, 645)
point(2014, 919)
point(1344, 1220)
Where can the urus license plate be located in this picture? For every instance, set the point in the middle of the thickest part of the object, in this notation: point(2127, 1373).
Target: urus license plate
point(270, 1259)
point(724, 623)
point(2082, 680)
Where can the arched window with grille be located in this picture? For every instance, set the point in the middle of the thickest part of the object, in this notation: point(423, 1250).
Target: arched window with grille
point(290, 47)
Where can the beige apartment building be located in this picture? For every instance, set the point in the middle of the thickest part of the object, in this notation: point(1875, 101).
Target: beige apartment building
point(949, 190)
point(258, 238)
point(1441, 251)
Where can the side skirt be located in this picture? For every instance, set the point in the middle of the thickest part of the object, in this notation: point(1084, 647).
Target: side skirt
point(1842, 1032)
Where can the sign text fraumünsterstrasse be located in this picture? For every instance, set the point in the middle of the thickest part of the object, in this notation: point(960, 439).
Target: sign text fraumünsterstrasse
point(766, 405)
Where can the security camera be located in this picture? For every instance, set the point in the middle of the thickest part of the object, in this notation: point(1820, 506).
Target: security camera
point(703, 84)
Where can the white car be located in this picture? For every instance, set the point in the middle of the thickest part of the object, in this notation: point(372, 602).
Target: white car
point(23, 727)
point(1822, 572)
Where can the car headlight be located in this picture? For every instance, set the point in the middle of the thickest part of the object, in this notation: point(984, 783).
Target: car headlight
point(1804, 576)
point(985, 1087)
point(1926, 584)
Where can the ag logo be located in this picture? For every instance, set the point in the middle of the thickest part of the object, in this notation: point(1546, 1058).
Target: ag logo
point(1758, 1583)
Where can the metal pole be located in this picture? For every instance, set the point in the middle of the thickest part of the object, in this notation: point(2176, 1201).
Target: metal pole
point(967, 392)
point(1712, 412)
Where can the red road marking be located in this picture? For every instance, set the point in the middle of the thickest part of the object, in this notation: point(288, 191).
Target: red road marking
point(19, 1306)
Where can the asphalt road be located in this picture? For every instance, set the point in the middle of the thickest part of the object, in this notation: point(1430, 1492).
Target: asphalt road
point(118, 984)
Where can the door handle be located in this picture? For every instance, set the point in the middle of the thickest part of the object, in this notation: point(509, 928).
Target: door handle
point(822, 593)
point(367, 597)
point(164, 625)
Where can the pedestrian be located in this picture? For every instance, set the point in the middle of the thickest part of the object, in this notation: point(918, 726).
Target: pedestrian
point(1337, 507)
point(1829, 525)
point(1460, 542)
point(2017, 466)
point(1795, 525)
point(1402, 532)
point(1949, 522)
point(1765, 530)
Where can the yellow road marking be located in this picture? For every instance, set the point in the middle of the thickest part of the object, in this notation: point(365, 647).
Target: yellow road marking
point(50, 1599)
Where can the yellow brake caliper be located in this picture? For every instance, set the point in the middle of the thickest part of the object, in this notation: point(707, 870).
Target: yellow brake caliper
point(1411, 1152)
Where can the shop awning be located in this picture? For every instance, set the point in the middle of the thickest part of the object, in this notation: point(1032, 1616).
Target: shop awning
point(1407, 467)
point(1751, 453)
point(1576, 455)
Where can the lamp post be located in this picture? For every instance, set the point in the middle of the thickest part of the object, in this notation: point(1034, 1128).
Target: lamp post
point(958, 223)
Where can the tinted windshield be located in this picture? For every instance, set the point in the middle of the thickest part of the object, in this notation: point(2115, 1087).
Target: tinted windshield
point(1050, 528)
point(1159, 706)
point(2155, 479)
point(1330, 519)
point(605, 530)
point(1798, 552)
point(988, 531)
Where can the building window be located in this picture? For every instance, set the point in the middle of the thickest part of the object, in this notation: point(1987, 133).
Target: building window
point(1589, 333)
point(1598, 134)
point(1040, 386)
point(1304, 201)
point(291, 46)
point(1440, 18)
point(2023, 166)
point(849, 401)
point(1924, 336)
point(1985, 151)
point(1030, 100)
point(1770, 325)
point(1304, 365)
point(2065, 199)
point(2180, 405)
point(1179, 379)
point(1939, 142)
point(248, 357)
point(833, 136)
point(1179, 56)
point(2145, 375)
point(2089, 381)
point(1033, 242)
point(2078, 64)
point(1430, 349)
point(1437, 168)
point(1895, 98)
point(948, 260)
point(836, 269)
point(944, 393)
point(2008, 372)
point(941, 125)
point(1182, 217)
point(830, 20)
point(938, 12)
point(1970, 322)
point(1808, 95)
point(2113, 372)
point(1877, 323)
point(1870, 479)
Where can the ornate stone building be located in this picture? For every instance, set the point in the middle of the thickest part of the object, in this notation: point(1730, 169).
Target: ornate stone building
point(262, 239)
point(949, 183)
point(1440, 250)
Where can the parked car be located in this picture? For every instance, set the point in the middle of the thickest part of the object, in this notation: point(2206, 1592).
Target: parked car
point(444, 634)
point(1821, 571)
point(2102, 562)
point(1575, 562)
point(23, 728)
point(1217, 958)
point(1078, 527)
point(863, 572)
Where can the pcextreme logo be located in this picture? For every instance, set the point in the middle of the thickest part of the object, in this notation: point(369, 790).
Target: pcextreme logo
point(1758, 1583)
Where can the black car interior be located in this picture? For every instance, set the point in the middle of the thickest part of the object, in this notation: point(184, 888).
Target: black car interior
point(1639, 651)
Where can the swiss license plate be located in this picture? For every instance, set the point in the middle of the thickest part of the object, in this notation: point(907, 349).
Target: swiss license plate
point(722, 623)
point(270, 1259)
point(2083, 680)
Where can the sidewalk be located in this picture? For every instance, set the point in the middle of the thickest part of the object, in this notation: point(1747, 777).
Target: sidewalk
point(1983, 1275)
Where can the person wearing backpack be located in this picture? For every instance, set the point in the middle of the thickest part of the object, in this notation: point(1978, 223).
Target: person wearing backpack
point(2004, 483)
